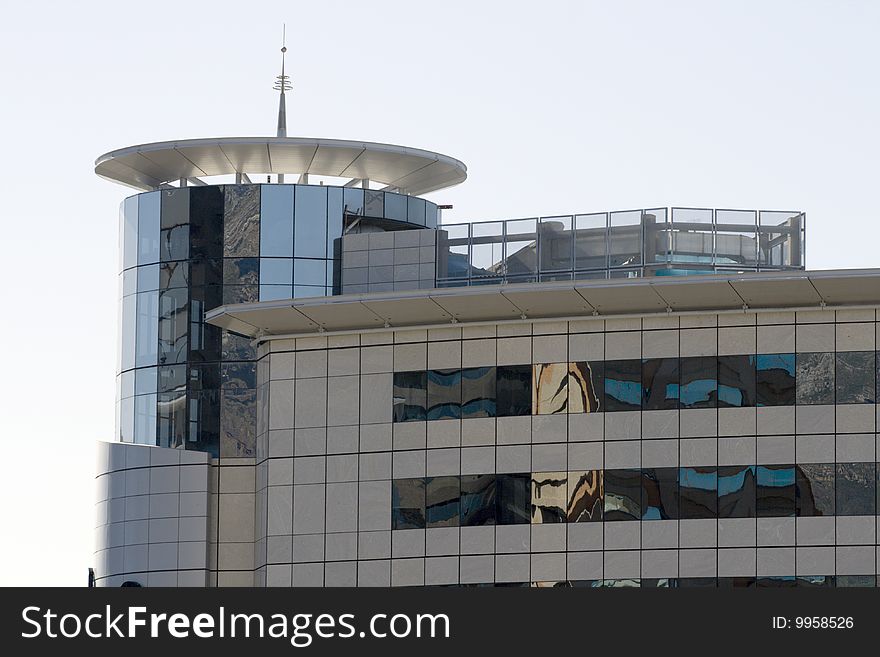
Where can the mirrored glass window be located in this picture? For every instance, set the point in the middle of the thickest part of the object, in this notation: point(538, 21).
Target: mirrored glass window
point(477, 500)
point(623, 494)
point(203, 422)
point(660, 494)
point(625, 239)
point(353, 201)
point(549, 497)
point(698, 492)
point(171, 409)
point(856, 492)
point(444, 394)
point(513, 390)
point(145, 419)
point(147, 329)
point(148, 227)
point(276, 221)
point(128, 238)
point(310, 224)
point(775, 379)
point(238, 375)
point(585, 387)
point(241, 226)
point(175, 274)
point(590, 241)
point(776, 491)
point(145, 380)
point(334, 218)
point(374, 203)
point(442, 501)
point(415, 210)
point(814, 489)
point(736, 380)
point(171, 378)
point(855, 372)
point(309, 272)
point(660, 384)
point(395, 207)
point(512, 499)
point(815, 378)
point(478, 392)
point(238, 423)
point(204, 376)
point(623, 385)
point(737, 491)
point(410, 396)
point(173, 324)
point(206, 221)
point(550, 389)
point(585, 496)
point(174, 225)
point(276, 271)
point(854, 581)
point(699, 382)
point(556, 243)
point(408, 504)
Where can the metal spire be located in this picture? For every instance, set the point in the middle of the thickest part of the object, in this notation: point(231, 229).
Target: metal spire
point(282, 84)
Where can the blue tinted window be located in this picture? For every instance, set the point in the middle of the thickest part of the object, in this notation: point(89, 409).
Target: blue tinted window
point(276, 220)
point(334, 217)
point(775, 379)
point(408, 504)
point(776, 491)
point(276, 271)
point(736, 381)
point(148, 227)
point(128, 232)
point(310, 225)
point(395, 207)
point(353, 201)
point(736, 491)
point(309, 272)
point(623, 385)
point(660, 384)
point(698, 492)
point(699, 382)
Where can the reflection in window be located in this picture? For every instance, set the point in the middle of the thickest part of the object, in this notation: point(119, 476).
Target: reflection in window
point(699, 382)
point(410, 396)
point(477, 500)
point(408, 504)
point(623, 494)
point(478, 392)
point(816, 581)
point(514, 390)
point(660, 384)
point(776, 491)
point(856, 492)
point(147, 329)
point(441, 506)
point(585, 386)
point(854, 581)
point(147, 227)
point(241, 226)
point(174, 225)
point(549, 497)
point(374, 203)
point(238, 423)
point(737, 491)
point(660, 497)
point(206, 221)
point(171, 411)
point(310, 226)
point(814, 489)
point(855, 377)
point(512, 499)
point(444, 394)
point(698, 492)
point(815, 378)
point(774, 379)
point(623, 385)
point(736, 380)
point(276, 221)
point(585, 496)
point(173, 324)
point(550, 391)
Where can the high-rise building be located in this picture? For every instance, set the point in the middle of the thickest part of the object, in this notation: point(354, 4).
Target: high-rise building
point(322, 383)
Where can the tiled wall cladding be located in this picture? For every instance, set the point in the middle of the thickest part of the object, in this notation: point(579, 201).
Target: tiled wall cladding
point(707, 490)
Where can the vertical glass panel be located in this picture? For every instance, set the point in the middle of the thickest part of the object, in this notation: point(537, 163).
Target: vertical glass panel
point(444, 394)
point(736, 240)
point(395, 206)
point(814, 489)
point(512, 499)
point(453, 251)
point(693, 236)
point(241, 226)
point(203, 430)
point(276, 220)
point(309, 272)
point(310, 222)
point(241, 277)
point(856, 492)
point(737, 491)
point(234, 376)
point(776, 491)
point(172, 419)
point(415, 210)
point(623, 385)
point(816, 581)
point(174, 225)
point(478, 392)
point(353, 201)
point(204, 339)
point(815, 379)
point(431, 215)
point(699, 382)
point(657, 236)
point(585, 496)
point(477, 500)
point(549, 497)
point(176, 274)
point(408, 504)
point(127, 324)
point(129, 281)
point(513, 391)
point(173, 324)
point(585, 386)
point(736, 380)
point(145, 419)
point(779, 239)
point(625, 239)
point(698, 492)
point(556, 243)
point(206, 221)
point(374, 203)
point(148, 227)
point(410, 396)
point(236, 347)
point(775, 379)
point(238, 423)
point(487, 249)
point(441, 508)
point(854, 581)
point(854, 377)
point(126, 420)
point(171, 378)
point(147, 347)
point(520, 249)
point(147, 278)
point(203, 376)
point(334, 217)
point(550, 389)
point(276, 271)
point(660, 494)
point(128, 237)
point(660, 384)
point(591, 242)
point(623, 494)
point(145, 380)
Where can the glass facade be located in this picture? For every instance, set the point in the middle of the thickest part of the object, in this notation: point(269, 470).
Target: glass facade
point(184, 251)
point(647, 242)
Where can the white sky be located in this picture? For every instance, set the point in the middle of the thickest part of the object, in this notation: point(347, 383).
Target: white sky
point(555, 107)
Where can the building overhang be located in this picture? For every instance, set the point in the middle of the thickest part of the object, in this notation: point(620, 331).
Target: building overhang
point(150, 166)
point(559, 299)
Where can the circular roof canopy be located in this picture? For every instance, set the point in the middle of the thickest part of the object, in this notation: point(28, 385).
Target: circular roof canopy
point(149, 166)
